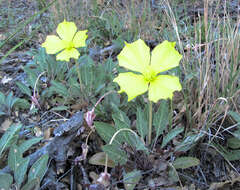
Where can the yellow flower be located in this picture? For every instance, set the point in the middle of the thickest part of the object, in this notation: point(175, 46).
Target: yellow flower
point(136, 57)
point(69, 40)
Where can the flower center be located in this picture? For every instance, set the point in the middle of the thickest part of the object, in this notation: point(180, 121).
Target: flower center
point(68, 45)
point(149, 75)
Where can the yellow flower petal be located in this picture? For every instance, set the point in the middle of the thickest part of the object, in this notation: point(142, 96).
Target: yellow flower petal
point(165, 57)
point(66, 54)
point(135, 56)
point(66, 30)
point(163, 87)
point(53, 44)
point(79, 39)
point(132, 84)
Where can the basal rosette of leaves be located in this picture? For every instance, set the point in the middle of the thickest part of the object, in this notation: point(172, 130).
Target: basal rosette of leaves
point(136, 57)
point(67, 42)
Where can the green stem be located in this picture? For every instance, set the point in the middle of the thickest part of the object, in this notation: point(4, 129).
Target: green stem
point(150, 123)
point(79, 76)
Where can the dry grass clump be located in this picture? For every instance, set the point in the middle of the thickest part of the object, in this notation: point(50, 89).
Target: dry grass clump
point(210, 64)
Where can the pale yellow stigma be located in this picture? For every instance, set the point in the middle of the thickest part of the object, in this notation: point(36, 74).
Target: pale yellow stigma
point(68, 45)
point(149, 74)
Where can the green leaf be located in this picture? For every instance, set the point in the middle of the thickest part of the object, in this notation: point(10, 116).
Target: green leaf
point(229, 155)
point(59, 88)
point(122, 117)
point(109, 65)
point(137, 142)
point(6, 181)
point(39, 168)
point(99, 160)
point(21, 170)
point(24, 89)
point(22, 103)
point(185, 162)
point(232, 155)
point(189, 141)
point(89, 78)
point(106, 131)
point(8, 100)
point(131, 179)
point(32, 76)
point(31, 184)
point(2, 99)
point(11, 100)
point(233, 143)
point(173, 175)
point(172, 134)
point(123, 136)
point(14, 157)
point(237, 133)
point(235, 116)
point(114, 100)
point(142, 123)
point(160, 119)
point(9, 137)
point(60, 108)
point(28, 143)
point(2, 113)
point(115, 153)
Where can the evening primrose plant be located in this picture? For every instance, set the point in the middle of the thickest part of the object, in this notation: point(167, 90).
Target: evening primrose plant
point(147, 74)
point(136, 57)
